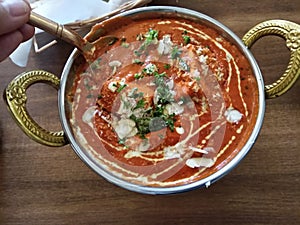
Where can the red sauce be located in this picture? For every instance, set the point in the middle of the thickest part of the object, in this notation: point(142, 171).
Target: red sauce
point(171, 102)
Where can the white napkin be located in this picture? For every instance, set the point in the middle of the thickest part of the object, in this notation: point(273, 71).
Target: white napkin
point(63, 11)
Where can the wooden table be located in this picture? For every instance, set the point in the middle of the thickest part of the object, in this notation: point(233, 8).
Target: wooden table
point(43, 185)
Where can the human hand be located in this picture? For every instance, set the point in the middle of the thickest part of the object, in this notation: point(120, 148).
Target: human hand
point(14, 15)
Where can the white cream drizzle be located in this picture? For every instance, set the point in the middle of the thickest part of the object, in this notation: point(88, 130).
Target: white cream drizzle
point(229, 57)
point(181, 154)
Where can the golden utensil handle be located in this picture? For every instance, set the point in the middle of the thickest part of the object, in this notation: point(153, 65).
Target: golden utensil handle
point(58, 30)
point(15, 96)
point(291, 33)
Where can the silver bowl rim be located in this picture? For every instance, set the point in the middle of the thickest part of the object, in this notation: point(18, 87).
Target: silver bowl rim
point(181, 188)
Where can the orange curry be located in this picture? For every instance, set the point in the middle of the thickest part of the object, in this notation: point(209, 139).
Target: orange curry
point(170, 102)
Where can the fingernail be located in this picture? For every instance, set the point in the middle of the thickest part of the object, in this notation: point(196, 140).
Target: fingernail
point(16, 7)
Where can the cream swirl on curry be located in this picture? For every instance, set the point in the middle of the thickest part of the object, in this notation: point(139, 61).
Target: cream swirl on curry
point(169, 103)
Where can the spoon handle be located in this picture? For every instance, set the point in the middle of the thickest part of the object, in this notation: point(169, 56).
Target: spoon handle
point(56, 29)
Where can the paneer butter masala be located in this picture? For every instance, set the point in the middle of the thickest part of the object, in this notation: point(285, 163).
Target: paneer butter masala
point(168, 103)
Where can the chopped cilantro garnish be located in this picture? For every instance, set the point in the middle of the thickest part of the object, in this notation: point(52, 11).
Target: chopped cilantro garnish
point(138, 76)
point(164, 94)
point(167, 66)
point(142, 124)
point(150, 37)
point(150, 69)
point(122, 86)
point(170, 119)
point(150, 117)
point(137, 61)
point(153, 119)
point(159, 78)
point(175, 53)
point(159, 75)
point(140, 104)
point(186, 39)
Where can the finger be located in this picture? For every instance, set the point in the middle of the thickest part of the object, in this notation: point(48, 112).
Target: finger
point(13, 14)
point(27, 31)
point(9, 42)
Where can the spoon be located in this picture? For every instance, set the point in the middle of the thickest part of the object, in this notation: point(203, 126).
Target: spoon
point(85, 47)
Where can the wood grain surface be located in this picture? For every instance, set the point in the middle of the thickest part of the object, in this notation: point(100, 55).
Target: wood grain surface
point(43, 185)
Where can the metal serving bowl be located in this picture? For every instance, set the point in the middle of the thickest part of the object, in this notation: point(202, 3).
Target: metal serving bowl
point(16, 97)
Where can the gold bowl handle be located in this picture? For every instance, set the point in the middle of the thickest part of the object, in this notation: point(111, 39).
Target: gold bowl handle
point(291, 33)
point(15, 97)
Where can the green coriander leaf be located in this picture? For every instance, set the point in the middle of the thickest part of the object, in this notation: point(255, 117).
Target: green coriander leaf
point(140, 104)
point(150, 69)
point(175, 53)
point(150, 37)
point(137, 61)
point(138, 76)
point(167, 66)
point(186, 39)
point(121, 88)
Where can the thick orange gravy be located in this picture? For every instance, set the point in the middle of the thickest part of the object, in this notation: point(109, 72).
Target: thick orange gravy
point(169, 103)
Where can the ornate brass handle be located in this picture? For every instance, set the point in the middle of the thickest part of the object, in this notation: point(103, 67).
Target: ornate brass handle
point(15, 96)
point(291, 33)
